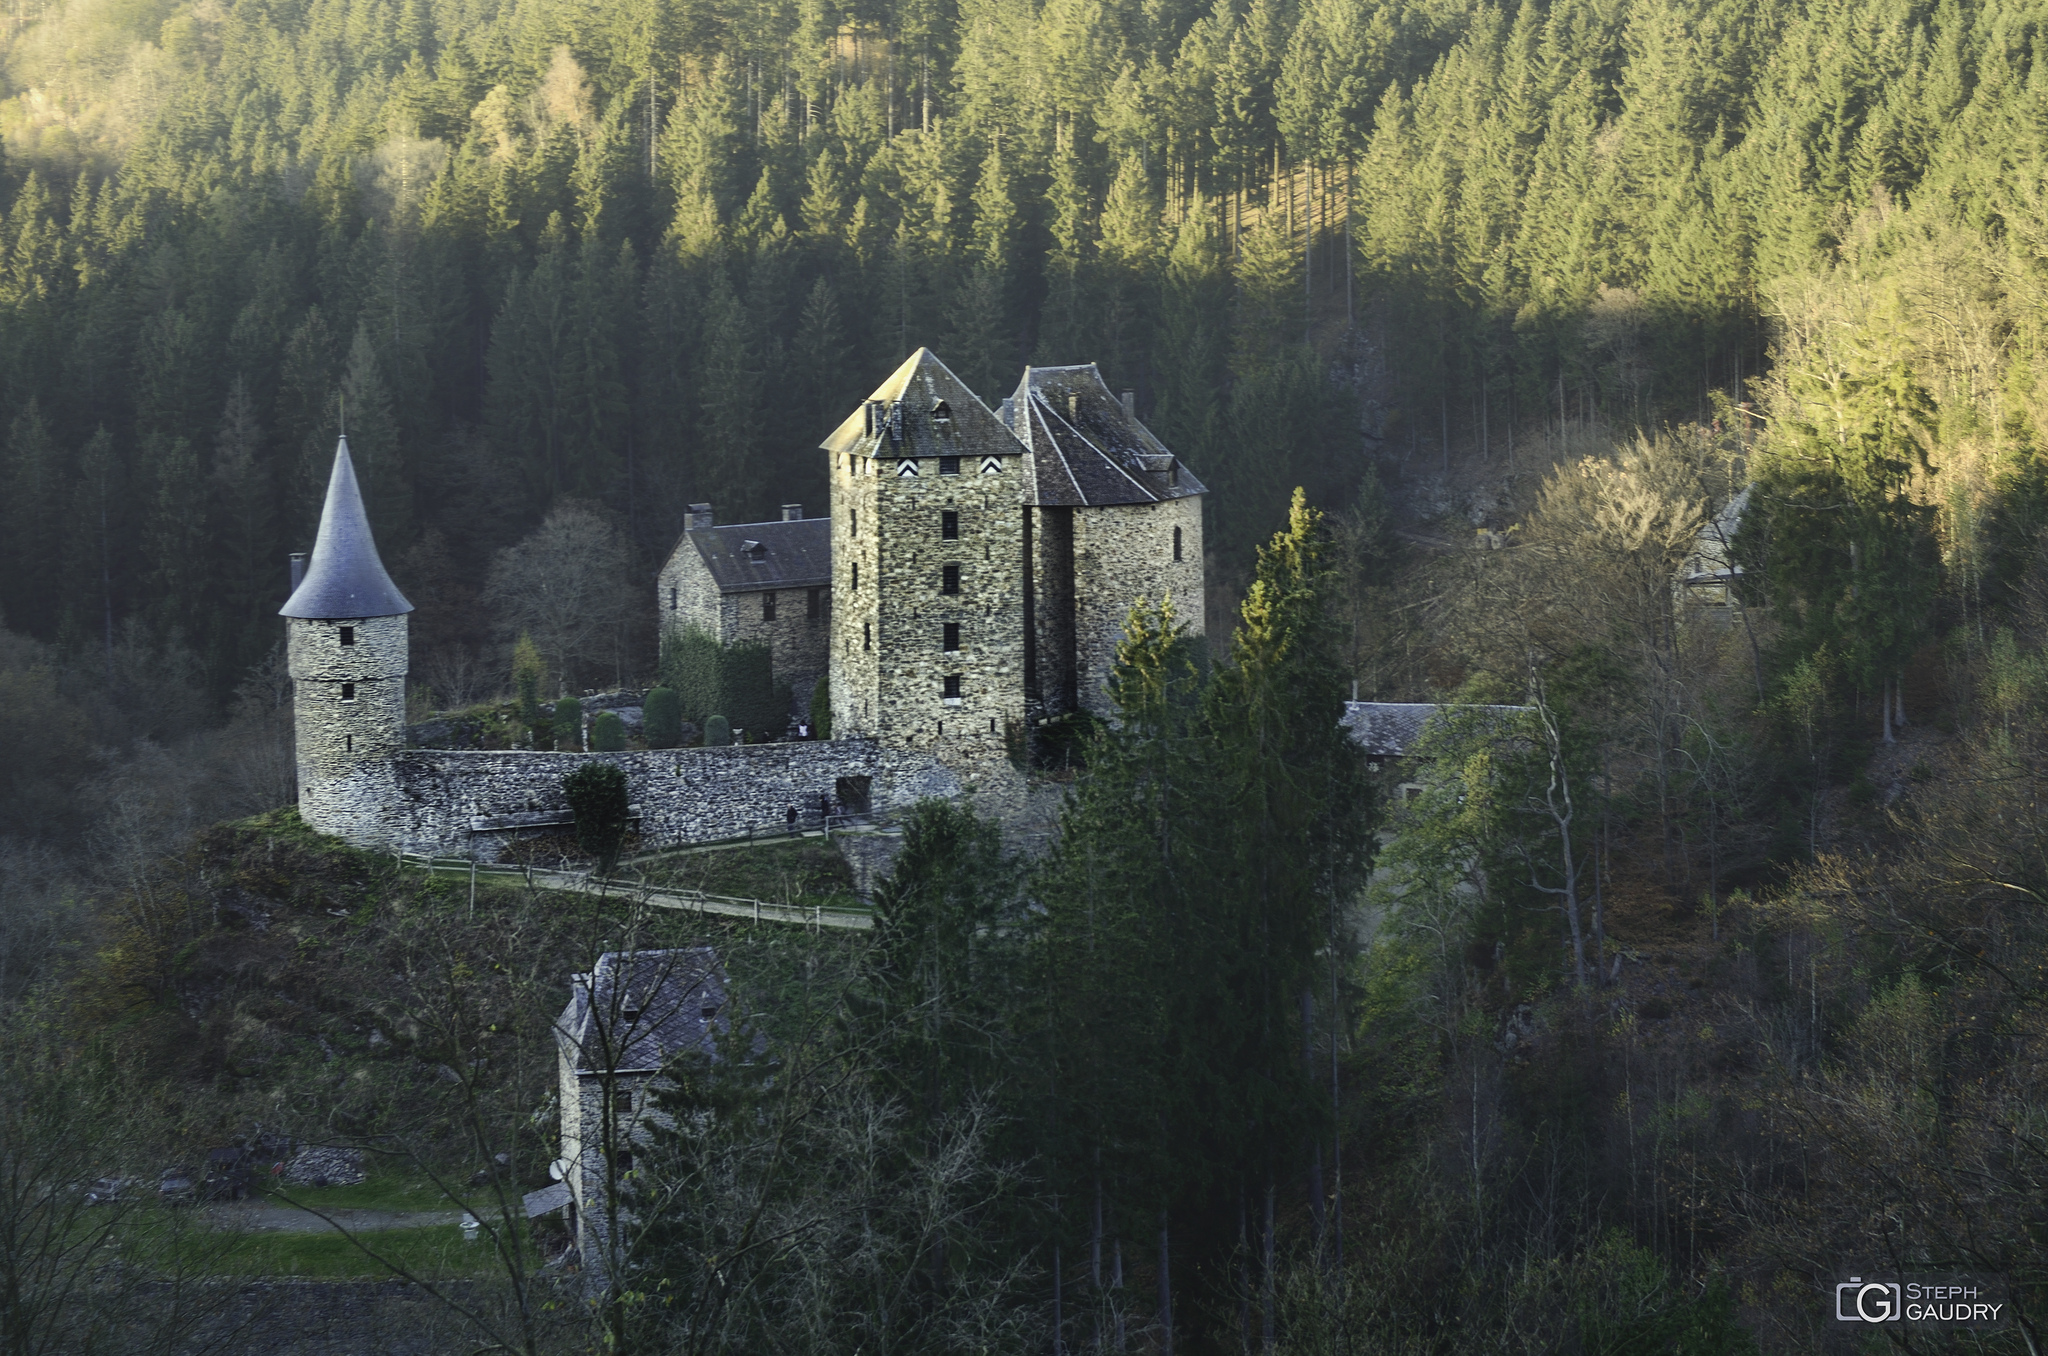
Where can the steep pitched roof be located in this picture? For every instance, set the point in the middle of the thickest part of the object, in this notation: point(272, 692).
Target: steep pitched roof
point(637, 1010)
point(1085, 448)
point(345, 578)
point(912, 424)
point(755, 557)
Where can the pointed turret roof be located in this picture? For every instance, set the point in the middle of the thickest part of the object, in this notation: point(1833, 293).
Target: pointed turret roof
point(345, 578)
point(922, 385)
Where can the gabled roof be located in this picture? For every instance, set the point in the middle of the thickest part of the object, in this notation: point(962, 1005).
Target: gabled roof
point(908, 402)
point(637, 1010)
point(755, 557)
point(1390, 729)
point(1085, 448)
point(345, 578)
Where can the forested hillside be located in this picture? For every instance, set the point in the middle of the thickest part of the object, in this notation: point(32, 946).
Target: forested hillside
point(1715, 963)
point(644, 253)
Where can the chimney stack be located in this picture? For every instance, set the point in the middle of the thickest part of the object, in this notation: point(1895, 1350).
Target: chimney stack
point(1130, 404)
point(792, 513)
point(700, 516)
point(298, 569)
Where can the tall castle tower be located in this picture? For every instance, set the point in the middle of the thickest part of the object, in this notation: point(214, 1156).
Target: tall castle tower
point(346, 648)
point(928, 584)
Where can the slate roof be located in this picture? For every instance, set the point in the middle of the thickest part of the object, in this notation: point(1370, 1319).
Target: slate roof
point(1085, 449)
point(1390, 729)
point(345, 578)
point(898, 420)
point(1710, 560)
point(660, 1012)
point(783, 555)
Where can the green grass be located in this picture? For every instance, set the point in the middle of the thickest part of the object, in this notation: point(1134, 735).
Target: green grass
point(383, 1192)
point(435, 1252)
point(807, 871)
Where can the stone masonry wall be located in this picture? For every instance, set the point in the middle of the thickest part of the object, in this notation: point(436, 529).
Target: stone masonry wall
point(685, 795)
point(1123, 553)
point(912, 710)
point(1052, 620)
point(349, 718)
point(853, 658)
point(686, 594)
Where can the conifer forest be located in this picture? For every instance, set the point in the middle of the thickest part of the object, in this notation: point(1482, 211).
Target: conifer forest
point(1656, 386)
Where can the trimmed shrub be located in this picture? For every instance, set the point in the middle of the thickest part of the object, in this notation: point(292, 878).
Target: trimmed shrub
point(718, 731)
point(569, 723)
point(663, 718)
point(692, 663)
point(598, 799)
point(821, 708)
point(752, 701)
point(607, 732)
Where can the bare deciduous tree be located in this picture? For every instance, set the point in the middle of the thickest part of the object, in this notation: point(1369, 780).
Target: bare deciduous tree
point(569, 586)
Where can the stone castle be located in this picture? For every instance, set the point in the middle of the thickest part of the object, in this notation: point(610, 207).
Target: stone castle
point(972, 579)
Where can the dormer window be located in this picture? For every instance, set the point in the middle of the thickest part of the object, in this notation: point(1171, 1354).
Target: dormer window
point(708, 1011)
point(630, 1009)
point(942, 418)
point(754, 549)
point(348, 635)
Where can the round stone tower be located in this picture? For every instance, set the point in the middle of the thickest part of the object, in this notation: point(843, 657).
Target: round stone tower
point(346, 646)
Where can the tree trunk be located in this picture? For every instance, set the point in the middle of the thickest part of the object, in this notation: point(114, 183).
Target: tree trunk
point(1266, 1273)
point(1165, 1289)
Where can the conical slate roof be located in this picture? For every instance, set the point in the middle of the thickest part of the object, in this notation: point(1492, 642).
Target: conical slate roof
point(345, 578)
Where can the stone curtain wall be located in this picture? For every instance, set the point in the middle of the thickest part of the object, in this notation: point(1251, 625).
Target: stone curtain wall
point(685, 795)
point(344, 737)
point(1123, 553)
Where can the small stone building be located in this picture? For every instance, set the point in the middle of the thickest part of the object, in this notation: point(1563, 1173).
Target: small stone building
point(768, 583)
point(628, 1020)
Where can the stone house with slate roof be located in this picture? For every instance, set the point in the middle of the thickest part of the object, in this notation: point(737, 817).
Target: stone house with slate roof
point(765, 583)
point(627, 1022)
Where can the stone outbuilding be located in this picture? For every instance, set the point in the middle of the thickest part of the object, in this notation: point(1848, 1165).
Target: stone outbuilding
point(766, 583)
point(627, 1023)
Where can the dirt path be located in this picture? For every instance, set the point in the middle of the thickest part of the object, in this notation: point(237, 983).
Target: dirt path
point(270, 1217)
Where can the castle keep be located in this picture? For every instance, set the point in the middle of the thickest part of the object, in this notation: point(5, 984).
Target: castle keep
point(971, 578)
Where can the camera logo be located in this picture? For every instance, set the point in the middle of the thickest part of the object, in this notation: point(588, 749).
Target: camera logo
point(1873, 1301)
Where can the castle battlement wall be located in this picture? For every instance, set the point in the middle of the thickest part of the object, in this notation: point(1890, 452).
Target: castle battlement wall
point(471, 802)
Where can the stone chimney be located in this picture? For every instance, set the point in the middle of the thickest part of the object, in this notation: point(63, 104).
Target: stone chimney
point(700, 516)
point(792, 513)
point(1130, 404)
point(298, 569)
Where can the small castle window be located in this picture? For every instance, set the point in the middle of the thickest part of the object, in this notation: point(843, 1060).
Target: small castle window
point(814, 604)
point(942, 421)
point(949, 466)
point(348, 744)
point(854, 523)
point(1176, 543)
point(949, 579)
point(672, 591)
point(856, 576)
point(348, 692)
point(348, 635)
point(952, 689)
point(949, 527)
point(867, 635)
point(768, 598)
point(949, 637)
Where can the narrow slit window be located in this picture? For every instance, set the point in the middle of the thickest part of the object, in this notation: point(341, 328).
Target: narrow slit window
point(348, 635)
point(348, 692)
point(348, 744)
point(814, 604)
point(856, 576)
point(952, 688)
point(949, 525)
point(1176, 543)
point(949, 579)
point(949, 637)
point(867, 635)
point(672, 591)
point(768, 600)
point(855, 528)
